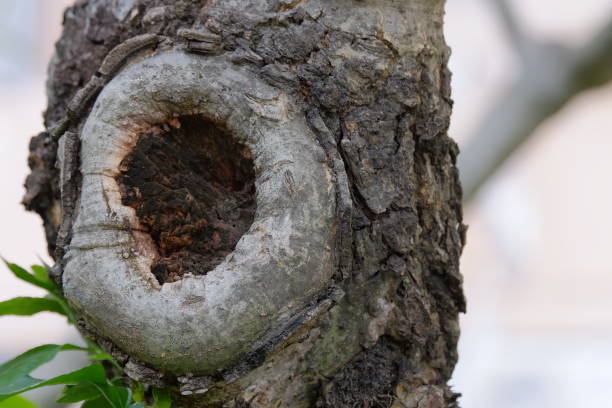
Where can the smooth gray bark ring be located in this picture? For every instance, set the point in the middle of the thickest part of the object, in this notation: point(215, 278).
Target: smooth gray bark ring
point(200, 324)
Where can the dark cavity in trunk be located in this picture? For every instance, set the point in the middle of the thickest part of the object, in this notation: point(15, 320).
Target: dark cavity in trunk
point(192, 186)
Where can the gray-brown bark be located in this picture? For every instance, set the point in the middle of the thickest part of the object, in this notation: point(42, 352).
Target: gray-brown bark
point(363, 90)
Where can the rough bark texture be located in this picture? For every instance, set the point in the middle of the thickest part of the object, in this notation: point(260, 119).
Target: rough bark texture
point(370, 79)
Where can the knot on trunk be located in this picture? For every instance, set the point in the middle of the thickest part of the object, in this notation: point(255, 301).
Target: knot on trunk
point(206, 215)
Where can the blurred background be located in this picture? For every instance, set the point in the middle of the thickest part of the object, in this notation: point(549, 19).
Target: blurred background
point(538, 274)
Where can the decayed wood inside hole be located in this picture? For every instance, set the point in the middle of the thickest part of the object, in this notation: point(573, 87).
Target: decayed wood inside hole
point(192, 187)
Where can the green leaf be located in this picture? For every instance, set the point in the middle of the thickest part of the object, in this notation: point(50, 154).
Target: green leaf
point(116, 397)
point(17, 402)
point(14, 373)
point(72, 347)
point(116, 380)
point(27, 306)
point(80, 392)
point(64, 305)
point(93, 373)
point(101, 356)
point(111, 396)
point(137, 405)
point(41, 273)
point(138, 391)
point(97, 403)
point(15, 378)
point(162, 398)
point(24, 275)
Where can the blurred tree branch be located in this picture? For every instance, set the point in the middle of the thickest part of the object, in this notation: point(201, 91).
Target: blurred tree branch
point(551, 75)
point(519, 38)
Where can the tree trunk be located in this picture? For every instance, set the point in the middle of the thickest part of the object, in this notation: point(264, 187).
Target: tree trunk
point(255, 203)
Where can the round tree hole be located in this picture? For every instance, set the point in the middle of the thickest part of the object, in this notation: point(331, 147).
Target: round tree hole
point(193, 188)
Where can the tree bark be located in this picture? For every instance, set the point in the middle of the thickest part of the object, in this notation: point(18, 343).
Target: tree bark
point(255, 203)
